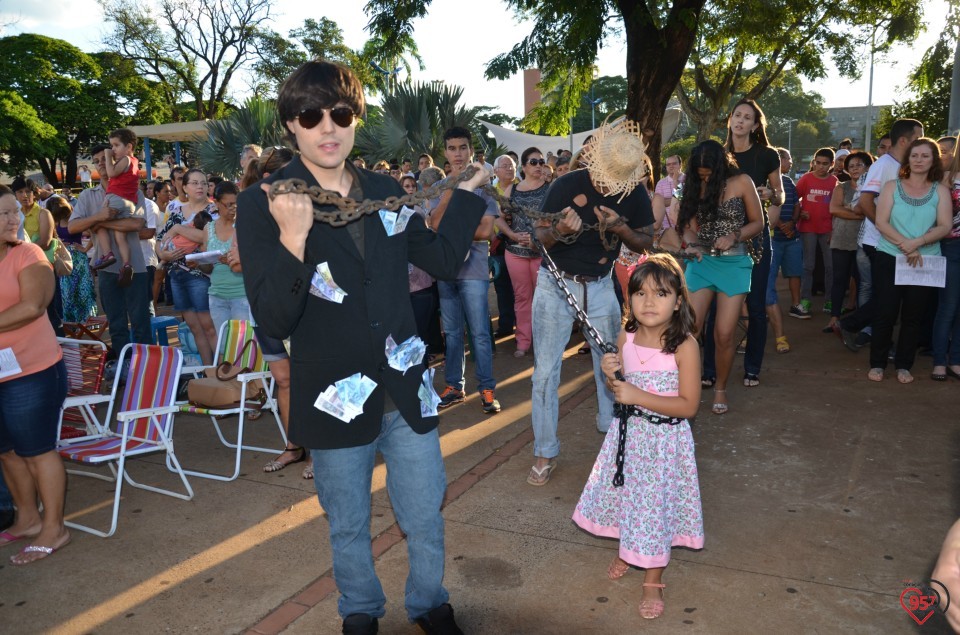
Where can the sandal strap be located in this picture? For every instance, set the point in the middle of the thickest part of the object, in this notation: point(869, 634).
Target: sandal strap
point(655, 586)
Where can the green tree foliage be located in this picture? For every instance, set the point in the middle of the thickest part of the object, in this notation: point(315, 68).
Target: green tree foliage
point(611, 93)
point(191, 48)
point(412, 120)
point(745, 45)
point(563, 44)
point(23, 134)
point(786, 100)
point(278, 56)
point(257, 121)
point(929, 85)
point(80, 96)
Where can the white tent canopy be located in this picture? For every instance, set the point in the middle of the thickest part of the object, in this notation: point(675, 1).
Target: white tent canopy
point(520, 141)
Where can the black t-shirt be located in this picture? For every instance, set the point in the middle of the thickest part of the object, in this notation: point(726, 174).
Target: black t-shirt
point(587, 255)
point(759, 161)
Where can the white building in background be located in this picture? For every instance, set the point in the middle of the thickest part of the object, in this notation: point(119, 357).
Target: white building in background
point(851, 121)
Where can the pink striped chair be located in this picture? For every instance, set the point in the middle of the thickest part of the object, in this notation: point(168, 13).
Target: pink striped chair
point(144, 424)
point(231, 345)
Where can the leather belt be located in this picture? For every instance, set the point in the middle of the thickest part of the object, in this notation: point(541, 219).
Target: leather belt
point(736, 250)
point(579, 278)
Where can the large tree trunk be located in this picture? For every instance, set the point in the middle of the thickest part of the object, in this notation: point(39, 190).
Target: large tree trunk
point(655, 62)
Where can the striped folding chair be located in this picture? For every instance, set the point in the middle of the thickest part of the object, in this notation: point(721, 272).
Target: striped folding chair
point(85, 361)
point(255, 397)
point(144, 425)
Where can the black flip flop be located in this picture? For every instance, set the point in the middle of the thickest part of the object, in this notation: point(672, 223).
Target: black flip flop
point(953, 373)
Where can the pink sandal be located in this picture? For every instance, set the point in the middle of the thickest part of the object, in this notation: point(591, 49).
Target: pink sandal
point(652, 609)
point(617, 569)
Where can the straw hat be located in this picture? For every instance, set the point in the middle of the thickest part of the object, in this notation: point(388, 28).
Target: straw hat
point(615, 157)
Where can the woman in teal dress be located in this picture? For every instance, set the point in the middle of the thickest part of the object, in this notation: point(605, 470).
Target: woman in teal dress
point(79, 301)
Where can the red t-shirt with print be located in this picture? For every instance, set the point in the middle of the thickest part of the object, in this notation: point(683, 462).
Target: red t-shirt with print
point(815, 194)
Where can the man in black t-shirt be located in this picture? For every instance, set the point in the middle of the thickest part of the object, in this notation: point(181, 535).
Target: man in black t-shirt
point(615, 160)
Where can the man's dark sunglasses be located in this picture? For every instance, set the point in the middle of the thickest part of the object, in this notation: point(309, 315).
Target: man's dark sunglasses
point(341, 115)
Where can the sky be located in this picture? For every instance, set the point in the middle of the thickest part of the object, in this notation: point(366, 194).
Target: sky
point(456, 44)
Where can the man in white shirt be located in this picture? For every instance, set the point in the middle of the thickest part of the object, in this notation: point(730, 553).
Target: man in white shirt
point(148, 241)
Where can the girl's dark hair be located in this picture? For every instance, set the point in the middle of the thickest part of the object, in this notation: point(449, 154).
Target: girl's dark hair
point(200, 219)
point(223, 188)
point(711, 155)
point(250, 174)
point(758, 136)
point(935, 175)
point(666, 273)
point(863, 155)
point(59, 208)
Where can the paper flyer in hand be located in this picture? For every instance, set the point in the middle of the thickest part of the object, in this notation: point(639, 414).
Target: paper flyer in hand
point(345, 398)
point(205, 257)
point(932, 273)
point(429, 399)
point(323, 286)
point(409, 353)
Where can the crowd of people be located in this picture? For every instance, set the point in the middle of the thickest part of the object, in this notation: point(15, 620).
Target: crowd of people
point(728, 221)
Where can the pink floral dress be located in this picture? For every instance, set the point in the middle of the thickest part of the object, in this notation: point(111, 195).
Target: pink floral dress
point(658, 507)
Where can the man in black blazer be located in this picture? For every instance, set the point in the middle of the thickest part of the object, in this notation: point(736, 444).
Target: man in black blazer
point(333, 339)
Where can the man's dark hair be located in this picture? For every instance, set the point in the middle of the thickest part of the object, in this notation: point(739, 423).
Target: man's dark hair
point(318, 84)
point(21, 183)
point(903, 128)
point(886, 136)
point(458, 132)
point(125, 135)
point(563, 161)
point(846, 143)
point(216, 180)
point(100, 147)
point(425, 156)
point(826, 152)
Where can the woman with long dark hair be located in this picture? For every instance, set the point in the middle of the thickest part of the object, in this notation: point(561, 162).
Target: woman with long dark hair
point(747, 141)
point(720, 212)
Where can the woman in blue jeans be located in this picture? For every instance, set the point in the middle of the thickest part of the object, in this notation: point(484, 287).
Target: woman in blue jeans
point(33, 384)
point(946, 324)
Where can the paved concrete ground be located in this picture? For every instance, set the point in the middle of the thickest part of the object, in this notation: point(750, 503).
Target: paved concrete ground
point(822, 492)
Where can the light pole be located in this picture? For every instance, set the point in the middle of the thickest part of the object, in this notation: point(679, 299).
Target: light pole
point(387, 74)
point(790, 123)
point(868, 133)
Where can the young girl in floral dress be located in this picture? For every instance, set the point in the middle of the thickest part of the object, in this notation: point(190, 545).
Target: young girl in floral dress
point(643, 488)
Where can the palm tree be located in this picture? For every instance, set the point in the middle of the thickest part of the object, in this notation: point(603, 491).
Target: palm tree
point(256, 122)
point(412, 119)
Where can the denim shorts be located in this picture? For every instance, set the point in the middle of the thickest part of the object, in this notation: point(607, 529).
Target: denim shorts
point(189, 291)
point(271, 348)
point(30, 411)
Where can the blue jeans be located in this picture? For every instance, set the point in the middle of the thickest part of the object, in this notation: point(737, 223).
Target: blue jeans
point(863, 267)
point(223, 309)
point(459, 300)
point(189, 291)
point(552, 320)
point(946, 326)
point(416, 482)
point(785, 255)
point(123, 304)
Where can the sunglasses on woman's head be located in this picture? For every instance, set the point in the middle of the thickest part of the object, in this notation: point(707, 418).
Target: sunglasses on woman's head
point(536, 162)
point(341, 115)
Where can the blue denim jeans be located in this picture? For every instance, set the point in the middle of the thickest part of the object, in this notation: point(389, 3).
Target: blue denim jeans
point(467, 300)
point(785, 255)
point(863, 267)
point(123, 304)
point(416, 482)
point(552, 320)
point(946, 325)
point(223, 309)
point(30, 411)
